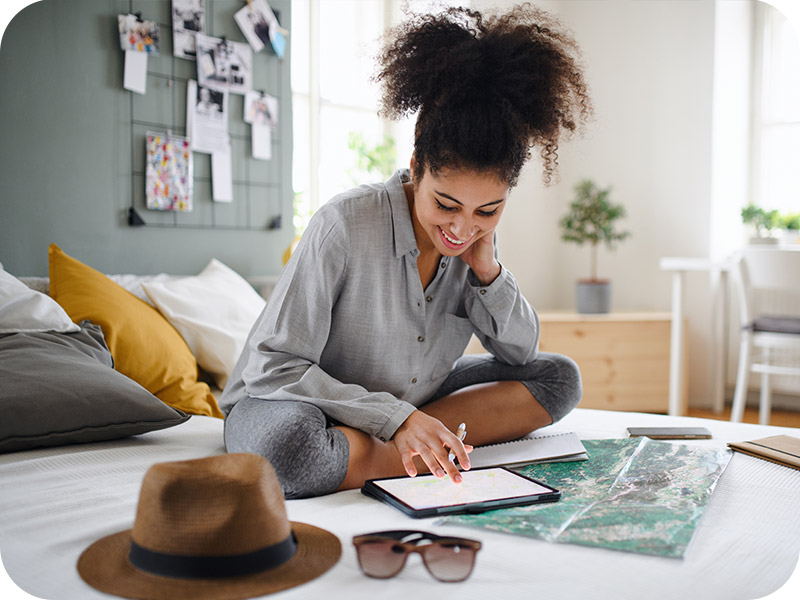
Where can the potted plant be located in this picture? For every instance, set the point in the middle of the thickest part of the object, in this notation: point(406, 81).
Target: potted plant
point(763, 221)
point(591, 219)
point(790, 223)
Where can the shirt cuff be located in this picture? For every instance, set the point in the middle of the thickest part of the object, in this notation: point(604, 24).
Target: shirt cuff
point(397, 418)
point(487, 293)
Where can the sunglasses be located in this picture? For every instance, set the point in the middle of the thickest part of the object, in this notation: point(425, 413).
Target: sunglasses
point(383, 554)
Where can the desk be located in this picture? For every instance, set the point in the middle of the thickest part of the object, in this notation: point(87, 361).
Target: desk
point(718, 319)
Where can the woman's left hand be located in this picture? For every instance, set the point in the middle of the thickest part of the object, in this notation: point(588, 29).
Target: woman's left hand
point(480, 258)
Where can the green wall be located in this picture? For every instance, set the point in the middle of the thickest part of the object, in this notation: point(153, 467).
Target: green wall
point(69, 152)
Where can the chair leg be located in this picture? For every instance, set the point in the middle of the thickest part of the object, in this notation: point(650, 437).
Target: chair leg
point(765, 401)
point(742, 376)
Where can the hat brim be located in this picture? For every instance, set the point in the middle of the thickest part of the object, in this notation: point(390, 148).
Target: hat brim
point(105, 566)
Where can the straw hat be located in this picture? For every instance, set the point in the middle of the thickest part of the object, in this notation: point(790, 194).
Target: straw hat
point(211, 528)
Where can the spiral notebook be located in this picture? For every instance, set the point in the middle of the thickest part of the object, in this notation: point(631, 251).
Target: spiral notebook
point(556, 447)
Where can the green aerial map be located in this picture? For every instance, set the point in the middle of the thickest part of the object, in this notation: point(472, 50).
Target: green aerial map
point(633, 494)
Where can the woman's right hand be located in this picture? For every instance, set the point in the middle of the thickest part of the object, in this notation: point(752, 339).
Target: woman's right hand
point(425, 436)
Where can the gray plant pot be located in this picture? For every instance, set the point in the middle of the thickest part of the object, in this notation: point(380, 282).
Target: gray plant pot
point(593, 297)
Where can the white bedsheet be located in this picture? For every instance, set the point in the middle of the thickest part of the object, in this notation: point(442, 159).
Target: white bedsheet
point(55, 502)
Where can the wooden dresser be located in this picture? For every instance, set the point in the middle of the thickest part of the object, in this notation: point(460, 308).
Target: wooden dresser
point(623, 357)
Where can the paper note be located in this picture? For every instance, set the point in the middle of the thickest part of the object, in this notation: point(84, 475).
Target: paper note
point(221, 179)
point(262, 141)
point(135, 78)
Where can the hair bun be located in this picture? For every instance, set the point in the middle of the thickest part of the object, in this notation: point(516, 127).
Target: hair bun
point(519, 70)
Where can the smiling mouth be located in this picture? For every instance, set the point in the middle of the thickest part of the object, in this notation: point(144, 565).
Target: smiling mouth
point(452, 241)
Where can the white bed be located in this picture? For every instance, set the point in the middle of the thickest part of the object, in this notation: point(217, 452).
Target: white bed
point(55, 502)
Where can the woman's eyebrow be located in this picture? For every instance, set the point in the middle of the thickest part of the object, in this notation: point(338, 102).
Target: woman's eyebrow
point(449, 197)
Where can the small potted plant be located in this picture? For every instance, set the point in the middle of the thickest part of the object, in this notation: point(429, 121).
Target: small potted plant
point(592, 220)
point(763, 221)
point(790, 223)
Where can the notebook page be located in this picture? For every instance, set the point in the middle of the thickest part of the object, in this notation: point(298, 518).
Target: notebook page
point(525, 450)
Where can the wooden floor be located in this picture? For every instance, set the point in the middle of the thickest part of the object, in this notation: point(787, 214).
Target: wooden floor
point(780, 418)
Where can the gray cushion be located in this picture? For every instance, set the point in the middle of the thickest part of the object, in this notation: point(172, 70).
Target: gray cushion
point(61, 388)
point(777, 324)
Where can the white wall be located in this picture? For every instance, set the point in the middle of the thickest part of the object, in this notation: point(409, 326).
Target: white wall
point(649, 66)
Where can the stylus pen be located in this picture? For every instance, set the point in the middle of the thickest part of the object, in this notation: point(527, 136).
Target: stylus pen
point(461, 433)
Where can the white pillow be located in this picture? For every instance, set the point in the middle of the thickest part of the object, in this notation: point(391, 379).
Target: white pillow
point(25, 310)
point(214, 313)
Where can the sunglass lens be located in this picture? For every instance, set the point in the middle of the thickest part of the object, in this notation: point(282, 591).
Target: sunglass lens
point(381, 558)
point(449, 562)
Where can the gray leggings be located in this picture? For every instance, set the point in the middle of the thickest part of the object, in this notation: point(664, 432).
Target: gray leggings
point(310, 455)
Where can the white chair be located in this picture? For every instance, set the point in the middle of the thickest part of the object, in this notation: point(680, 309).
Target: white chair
point(776, 336)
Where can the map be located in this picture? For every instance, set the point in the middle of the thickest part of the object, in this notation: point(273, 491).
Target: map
point(634, 494)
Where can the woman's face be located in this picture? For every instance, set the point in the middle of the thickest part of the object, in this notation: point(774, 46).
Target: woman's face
point(455, 208)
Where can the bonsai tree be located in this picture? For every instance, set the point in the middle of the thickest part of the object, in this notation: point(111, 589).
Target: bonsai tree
point(764, 221)
point(591, 220)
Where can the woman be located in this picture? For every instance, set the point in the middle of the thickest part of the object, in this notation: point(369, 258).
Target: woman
point(355, 368)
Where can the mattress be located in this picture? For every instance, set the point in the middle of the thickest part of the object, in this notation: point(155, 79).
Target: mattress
point(55, 502)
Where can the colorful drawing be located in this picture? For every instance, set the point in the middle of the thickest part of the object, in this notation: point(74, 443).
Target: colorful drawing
point(169, 173)
point(137, 34)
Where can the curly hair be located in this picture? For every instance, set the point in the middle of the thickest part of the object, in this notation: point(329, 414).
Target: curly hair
point(487, 88)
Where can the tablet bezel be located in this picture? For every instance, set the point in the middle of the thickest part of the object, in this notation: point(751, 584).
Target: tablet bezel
point(373, 490)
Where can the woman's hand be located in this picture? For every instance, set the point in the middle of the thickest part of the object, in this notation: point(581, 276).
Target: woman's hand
point(425, 436)
point(480, 258)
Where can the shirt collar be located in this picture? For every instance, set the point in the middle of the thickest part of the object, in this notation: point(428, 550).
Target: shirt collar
point(403, 229)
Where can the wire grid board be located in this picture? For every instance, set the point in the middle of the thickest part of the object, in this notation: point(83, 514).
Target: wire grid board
point(260, 188)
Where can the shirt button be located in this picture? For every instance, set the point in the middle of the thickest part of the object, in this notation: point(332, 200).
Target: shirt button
point(383, 439)
point(483, 292)
point(428, 298)
point(414, 380)
point(443, 265)
point(420, 339)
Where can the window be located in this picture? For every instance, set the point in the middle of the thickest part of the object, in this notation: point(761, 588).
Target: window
point(333, 49)
point(776, 112)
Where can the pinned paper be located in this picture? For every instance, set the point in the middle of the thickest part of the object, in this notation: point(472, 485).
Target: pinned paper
point(137, 34)
point(207, 118)
point(260, 26)
point(188, 19)
point(224, 65)
point(261, 110)
point(135, 78)
point(262, 142)
point(169, 173)
point(221, 178)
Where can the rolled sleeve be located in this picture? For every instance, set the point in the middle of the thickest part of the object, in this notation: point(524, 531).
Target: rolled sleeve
point(505, 322)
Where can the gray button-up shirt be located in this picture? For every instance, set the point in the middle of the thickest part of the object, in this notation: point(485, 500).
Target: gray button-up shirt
point(349, 328)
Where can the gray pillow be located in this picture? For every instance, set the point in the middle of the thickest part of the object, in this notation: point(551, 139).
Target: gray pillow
point(61, 388)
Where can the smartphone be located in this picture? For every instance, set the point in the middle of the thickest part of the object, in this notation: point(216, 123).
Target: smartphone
point(671, 433)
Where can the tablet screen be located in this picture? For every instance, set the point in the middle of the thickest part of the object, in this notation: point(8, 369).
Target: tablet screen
point(480, 485)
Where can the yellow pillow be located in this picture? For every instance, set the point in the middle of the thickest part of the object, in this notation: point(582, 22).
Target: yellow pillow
point(145, 346)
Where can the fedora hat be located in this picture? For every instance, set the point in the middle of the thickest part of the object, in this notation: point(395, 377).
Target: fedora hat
point(211, 528)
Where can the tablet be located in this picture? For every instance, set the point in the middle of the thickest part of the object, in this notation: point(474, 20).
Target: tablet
point(480, 490)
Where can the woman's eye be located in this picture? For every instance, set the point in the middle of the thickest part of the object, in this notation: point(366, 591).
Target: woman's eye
point(445, 208)
point(484, 213)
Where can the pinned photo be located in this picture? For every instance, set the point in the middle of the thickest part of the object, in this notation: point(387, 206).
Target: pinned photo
point(261, 109)
point(207, 118)
point(188, 19)
point(224, 65)
point(260, 26)
point(138, 35)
